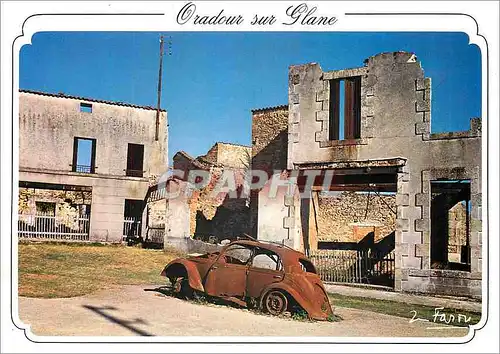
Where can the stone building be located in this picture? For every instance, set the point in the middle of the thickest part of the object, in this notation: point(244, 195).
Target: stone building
point(197, 213)
point(90, 158)
point(368, 129)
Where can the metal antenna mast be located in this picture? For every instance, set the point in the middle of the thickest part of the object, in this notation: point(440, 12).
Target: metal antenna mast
point(159, 90)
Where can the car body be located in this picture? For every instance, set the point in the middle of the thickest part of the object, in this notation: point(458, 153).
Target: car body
point(252, 273)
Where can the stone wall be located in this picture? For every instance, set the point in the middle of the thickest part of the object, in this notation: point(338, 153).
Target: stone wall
point(270, 138)
point(217, 214)
point(395, 111)
point(228, 155)
point(233, 156)
point(336, 215)
point(269, 153)
point(48, 125)
point(157, 213)
point(29, 196)
point(457, 229)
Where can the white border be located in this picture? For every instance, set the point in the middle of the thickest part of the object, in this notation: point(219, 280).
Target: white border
point(15, 14)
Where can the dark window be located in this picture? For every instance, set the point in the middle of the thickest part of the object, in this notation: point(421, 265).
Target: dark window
point(450, 220)
point(135, 160)
point(265, 259)
point(45, 208)
point(307, 266)
point(85, 107)
point(132, 218)
point(84, 155)
point(345, 109)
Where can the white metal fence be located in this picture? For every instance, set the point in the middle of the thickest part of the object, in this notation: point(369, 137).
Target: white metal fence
point(131, 228)
point(49, 227)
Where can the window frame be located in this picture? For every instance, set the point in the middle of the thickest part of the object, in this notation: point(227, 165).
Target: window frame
point(352, 108)
point(279, 262)
point(130, 162)
point(92, 167)
point(223, 254)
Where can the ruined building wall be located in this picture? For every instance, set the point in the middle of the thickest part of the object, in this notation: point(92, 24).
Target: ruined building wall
point(336, 214)
point(48, 125)
point(270, 138)
point(228, 155)
point(457, 228)
point(269, 153)
point(212, 213)
point(395, 123)
point(234, 156)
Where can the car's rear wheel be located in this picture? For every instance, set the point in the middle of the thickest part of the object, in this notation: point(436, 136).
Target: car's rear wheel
point(275, 302)
point(181, 287)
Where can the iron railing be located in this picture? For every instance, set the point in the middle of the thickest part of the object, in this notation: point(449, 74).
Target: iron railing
point(84, 169)
point(131, 228)
point(355, 266)
point(49, 227)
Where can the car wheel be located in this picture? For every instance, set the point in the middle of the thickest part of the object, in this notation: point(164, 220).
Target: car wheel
point(182, 289)
point(275, 302)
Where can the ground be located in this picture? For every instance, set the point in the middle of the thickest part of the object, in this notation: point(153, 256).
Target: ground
point(75, 289)
point(51, 270)
point(140, 310)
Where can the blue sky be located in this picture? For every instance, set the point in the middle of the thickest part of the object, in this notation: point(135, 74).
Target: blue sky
point(213, 80)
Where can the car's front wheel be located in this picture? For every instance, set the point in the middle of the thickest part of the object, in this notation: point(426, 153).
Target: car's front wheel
point(275, 302)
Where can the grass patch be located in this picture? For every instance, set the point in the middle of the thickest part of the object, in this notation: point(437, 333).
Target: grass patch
point(402, 309)
point(50, 270)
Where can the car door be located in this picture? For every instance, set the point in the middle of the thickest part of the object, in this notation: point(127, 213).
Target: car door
point(265, 268)
point(228, 275)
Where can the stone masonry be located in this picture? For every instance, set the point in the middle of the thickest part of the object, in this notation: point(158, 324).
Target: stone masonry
point(48, 125)
point(395, 151)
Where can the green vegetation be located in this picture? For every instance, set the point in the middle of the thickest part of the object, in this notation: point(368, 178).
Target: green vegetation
point(401, 309)
point(50, 270)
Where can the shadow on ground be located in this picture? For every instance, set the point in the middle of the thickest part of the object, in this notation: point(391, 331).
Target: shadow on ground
point(128, 324)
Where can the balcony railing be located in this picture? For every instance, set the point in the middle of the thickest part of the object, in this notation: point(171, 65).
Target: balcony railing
point(84, 169)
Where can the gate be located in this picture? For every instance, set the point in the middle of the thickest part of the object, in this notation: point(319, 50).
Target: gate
point(131, 228)
point(355, 266)
point(155, 235)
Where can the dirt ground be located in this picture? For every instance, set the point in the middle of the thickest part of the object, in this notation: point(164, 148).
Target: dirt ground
point(142, 310)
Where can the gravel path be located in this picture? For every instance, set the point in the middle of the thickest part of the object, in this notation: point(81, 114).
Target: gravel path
point(139, 310)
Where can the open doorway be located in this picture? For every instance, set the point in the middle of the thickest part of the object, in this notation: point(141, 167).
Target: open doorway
point(450, 224)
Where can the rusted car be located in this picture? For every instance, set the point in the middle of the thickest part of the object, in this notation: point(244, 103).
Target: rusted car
point(269, 276)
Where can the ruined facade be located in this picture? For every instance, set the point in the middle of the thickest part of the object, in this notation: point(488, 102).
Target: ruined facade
point(369, 129)
point(199, 213)
point(339, 213)
point(107, 151)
